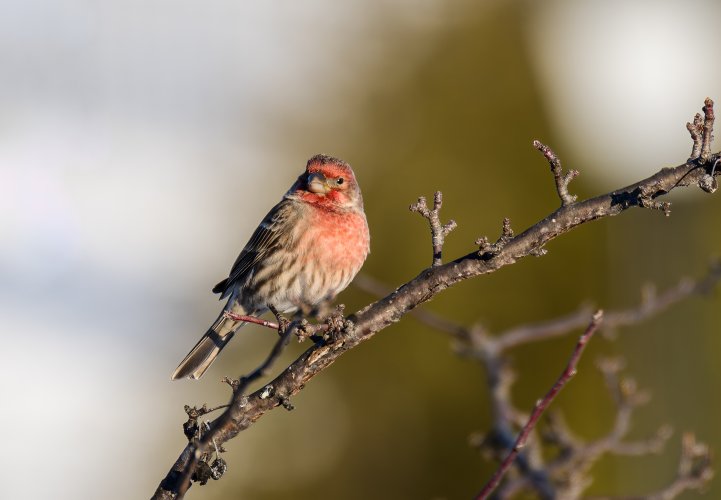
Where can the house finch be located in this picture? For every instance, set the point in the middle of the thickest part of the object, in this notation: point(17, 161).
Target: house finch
point(304, 252)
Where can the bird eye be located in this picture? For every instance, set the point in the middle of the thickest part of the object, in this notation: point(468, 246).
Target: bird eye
point(340, 180)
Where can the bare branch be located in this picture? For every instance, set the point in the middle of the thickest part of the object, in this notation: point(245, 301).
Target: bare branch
point(694, 473)
point(701, 131)
point(379, 289)
point(708, 182)
point(438, 231)
point(708, 120)
point(542, 404)
point(696, 131)
point(198, 450)
point(364, 324)
point(578, 457)
point(562, 180)
point(251, 319)
point(650, 305)
point(486, 247)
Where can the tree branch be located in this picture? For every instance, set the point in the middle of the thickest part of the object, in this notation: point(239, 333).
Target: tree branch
point(251, 319)
point(575, 457)
point(364, 324)
point(694, 473)
point(486, 247)
point(562, 180)
point(542, 404)
point(707, 136)
point(438, 231)
point(651, 304)
point(177, 481)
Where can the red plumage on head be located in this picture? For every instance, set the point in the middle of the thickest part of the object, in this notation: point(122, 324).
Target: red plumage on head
point(345, 197)
point(330, 167)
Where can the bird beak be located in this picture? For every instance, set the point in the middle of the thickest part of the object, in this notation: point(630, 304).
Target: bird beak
point(318, 184)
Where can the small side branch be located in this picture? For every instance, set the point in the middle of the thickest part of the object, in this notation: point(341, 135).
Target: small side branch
point(701, 131)
point(651, 304)
point(542, 404)
point(486, 247)
point(438, 231)
point(695, 128)
point(708, 120)
point(708, 182)
point(694, 472)
point(251, 319)
point(562, 179)
point(201, 436)
point(694, 469)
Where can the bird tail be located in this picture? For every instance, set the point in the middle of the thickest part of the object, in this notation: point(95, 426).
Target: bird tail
point(209, 346)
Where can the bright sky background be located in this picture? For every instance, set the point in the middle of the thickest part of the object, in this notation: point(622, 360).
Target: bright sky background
point(610, 73)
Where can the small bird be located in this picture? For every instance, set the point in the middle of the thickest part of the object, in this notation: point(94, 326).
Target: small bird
point(305, 251)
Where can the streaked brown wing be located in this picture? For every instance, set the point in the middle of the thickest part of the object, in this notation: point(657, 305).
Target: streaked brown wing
point(265, 238)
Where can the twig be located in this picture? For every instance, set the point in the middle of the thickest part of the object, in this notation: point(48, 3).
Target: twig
point(438, 231)
point(562, 180)
point(694, 469)
point(708, 120)
point(694, 473)
point(696, 131)
point(701, 131)
point(574, 464)
point(708, 182)
point(178, 480)
point(251, 319)
point(575, 458)
point(651, 304)
point(486, 247)
point(578, 457)
point(541, 405)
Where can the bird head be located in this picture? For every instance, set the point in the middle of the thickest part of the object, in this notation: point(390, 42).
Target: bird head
point(328, 182)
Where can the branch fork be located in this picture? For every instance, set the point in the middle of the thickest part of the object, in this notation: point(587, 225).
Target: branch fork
point(562, 179)
point(541, 405)
point(493, 249)
point(439, 231)
point(701, 130)
point(646, 200)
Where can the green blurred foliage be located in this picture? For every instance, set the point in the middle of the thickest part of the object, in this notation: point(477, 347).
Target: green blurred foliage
point(397, 411)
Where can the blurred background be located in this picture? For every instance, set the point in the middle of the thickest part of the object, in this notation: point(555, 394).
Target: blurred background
point(142, 141)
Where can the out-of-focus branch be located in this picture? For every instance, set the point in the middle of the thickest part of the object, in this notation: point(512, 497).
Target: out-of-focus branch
point(693, 474)
point(571, 467)
point(651, 304)
point(541, 406)
point(576, 457)
point(344, 334)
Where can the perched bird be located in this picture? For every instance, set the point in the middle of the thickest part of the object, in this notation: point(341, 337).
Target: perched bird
point(304, 252)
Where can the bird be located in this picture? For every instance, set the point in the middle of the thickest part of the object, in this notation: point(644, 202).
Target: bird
point(306, 250)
